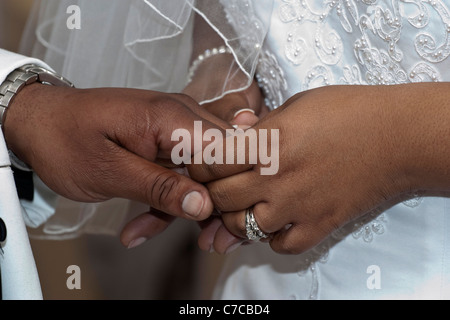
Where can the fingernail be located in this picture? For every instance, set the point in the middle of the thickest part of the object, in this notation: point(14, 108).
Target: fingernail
point(242, 127)
point(193, 203)
point(243, 110)
point(136, 242)
point(233, 247)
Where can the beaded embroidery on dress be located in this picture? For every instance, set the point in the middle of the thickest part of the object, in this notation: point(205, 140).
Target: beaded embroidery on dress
point(376, 28)
point(352, 42)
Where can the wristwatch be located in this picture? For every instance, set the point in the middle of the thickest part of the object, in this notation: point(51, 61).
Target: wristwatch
point(15, 81)
point(23, 76)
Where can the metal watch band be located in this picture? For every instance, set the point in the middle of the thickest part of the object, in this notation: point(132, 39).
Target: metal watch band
point(23, 76)
point(14, 82)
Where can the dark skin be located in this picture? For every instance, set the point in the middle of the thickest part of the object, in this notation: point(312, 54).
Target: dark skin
point(147, 226)
point(345, 150)
point(91, 145)
point(333, 140)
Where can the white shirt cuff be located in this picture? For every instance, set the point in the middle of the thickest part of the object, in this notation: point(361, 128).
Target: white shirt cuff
point(42, 207)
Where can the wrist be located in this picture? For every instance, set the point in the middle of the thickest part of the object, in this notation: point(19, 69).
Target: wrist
point(422, 116)
point(18, 97)
point(18, 121)
point(214, 74)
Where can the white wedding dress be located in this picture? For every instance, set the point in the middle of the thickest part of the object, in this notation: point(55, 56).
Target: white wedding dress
point(290, 46)
point(400, 253)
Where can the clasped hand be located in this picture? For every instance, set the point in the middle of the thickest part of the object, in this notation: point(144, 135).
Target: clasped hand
point(339, 157)
point(91, 145)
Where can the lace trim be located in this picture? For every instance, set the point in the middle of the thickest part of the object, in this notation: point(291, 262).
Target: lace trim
point(271, 79)
point(415, 199)
point(366, 228)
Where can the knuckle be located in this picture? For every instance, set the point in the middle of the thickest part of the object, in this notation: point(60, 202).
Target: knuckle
point(164, 106)
point(200, 172)
point(207, 172)
point(196, 172)
point(220, 197)
point(174, 104)
point(235, 226)
point(215, 171)
point(161, 188)
point(289, 246)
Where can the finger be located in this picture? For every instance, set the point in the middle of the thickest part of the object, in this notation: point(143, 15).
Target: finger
point(266, 220)
point(144, 227)
point(163, 125)
point(227, 107)
point(264, 112)
point(189, 134)
point(135, 178)
point(203, 112)
point(234, 154)
point(236, 192)
point(225, 242)
point(245, 117)
point(295, 239)
point(208, 232)
point(168, 163)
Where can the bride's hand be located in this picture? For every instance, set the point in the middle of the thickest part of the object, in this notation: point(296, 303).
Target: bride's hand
point(242, 108)
point(341, 153)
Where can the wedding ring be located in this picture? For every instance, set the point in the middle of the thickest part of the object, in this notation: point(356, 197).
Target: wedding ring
point(253, 231)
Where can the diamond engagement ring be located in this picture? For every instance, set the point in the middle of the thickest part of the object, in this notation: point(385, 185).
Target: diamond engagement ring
point(253, 231)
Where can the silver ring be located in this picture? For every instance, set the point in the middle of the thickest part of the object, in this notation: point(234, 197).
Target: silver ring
point(253, 231)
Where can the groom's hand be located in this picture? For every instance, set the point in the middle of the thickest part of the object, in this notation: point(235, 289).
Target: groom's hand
point(239, 108)
point(91, 145)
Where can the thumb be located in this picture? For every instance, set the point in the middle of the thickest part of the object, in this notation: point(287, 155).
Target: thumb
point(161, 188)
point(151, 136)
